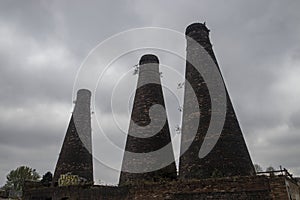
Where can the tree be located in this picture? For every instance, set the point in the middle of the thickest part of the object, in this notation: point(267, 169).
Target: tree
point(16, 179)
point(47, 179)
point(258, 168)
point(270, 169)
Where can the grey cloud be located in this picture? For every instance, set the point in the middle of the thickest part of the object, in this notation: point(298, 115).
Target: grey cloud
point(295, 119)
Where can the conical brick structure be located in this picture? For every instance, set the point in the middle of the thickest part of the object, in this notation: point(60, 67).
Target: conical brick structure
point(76, 152)
point(229, 156)
point(148, 144)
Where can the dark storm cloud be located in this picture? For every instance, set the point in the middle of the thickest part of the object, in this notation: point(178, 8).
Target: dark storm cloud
point(42, 44)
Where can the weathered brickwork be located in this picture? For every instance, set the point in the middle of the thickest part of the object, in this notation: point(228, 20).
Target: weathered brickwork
point(233, 188)
point(140, 139)
point(76, 155)
point(76, 193)
point(285, 189)
point(230, 155)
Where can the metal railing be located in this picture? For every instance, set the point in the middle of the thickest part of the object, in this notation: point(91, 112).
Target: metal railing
point(283, 172)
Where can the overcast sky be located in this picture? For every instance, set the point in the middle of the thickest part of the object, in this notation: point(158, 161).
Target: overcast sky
point(43, 43)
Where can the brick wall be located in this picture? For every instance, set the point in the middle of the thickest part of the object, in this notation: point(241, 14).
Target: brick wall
point(239, 188)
